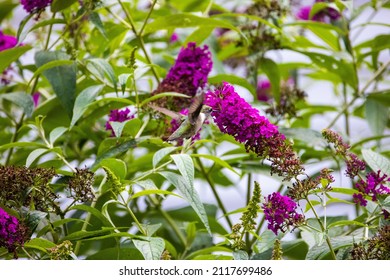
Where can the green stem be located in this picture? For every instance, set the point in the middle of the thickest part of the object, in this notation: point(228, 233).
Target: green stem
point(173, 225)
point(139, 36)
point(322, 229)
point(20, 122)
point(214, 190)
point(89, 215)
point(126, 205)
point(361, 92)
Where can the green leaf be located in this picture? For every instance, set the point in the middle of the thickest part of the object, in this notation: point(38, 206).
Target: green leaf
point(322, 251)
point(10, 55)
point(186, 167)
point(116, 254)
point(161, 95)
point(382, 97)
point(6, 8)
point(95, 19)
point(116, 166)
point(377, 115)
point(20, 99)
point(151, 248)
point(56, 133)
point(217, 160)
point(157, 191)
point(270, 68)
point(62, 78)
point(113, 152)
point(59, 5)
point(184, 21)
point(346, 223)
point(376, 161)
point(102, 68)
point(233, 79)
point(326, 34)
point(49, 65)
point(123, 81)
point(160, 154)
point(83, 100)
point(117, 127)
point(266, 242)
point(34, 155)
point(240, 255)
point(21, 145)
point(86, 235)
point(94, 212)
point(39, 244)
point(199, 35)
point(189, 193)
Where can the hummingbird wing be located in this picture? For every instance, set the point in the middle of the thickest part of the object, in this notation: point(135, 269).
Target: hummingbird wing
point(195, 108)
point(165, 111)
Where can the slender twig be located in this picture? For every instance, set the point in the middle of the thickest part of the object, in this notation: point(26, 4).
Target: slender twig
point(361, 92)
point(323, 229)
point(214, 190)
point(139, 36)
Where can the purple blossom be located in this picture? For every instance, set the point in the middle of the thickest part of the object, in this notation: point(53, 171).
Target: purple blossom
point(118, 116)
point(7, 41)
point(174, 38)
point(372, 187)
point(234, 116)
point(354, 165)
point(35, 97)
point(280, 212)
point(11, 234)
point(327, 14)
point(32, 6)
point(263, 90)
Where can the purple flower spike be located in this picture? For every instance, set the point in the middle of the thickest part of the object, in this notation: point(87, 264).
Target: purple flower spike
point(234, 116)
point(193, 65)
point(280, 212)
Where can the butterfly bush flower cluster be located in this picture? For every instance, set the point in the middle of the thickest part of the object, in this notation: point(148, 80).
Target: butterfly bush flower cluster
point(280, 212)
point(33, 6)
point(189, 73)
point(12, 233)
point(354, 164)
point(324, 15)
point(373, 186)
point(118, 116)
point(234, 116)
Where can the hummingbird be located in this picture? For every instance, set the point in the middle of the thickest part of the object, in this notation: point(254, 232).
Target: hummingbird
point(190, 124)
